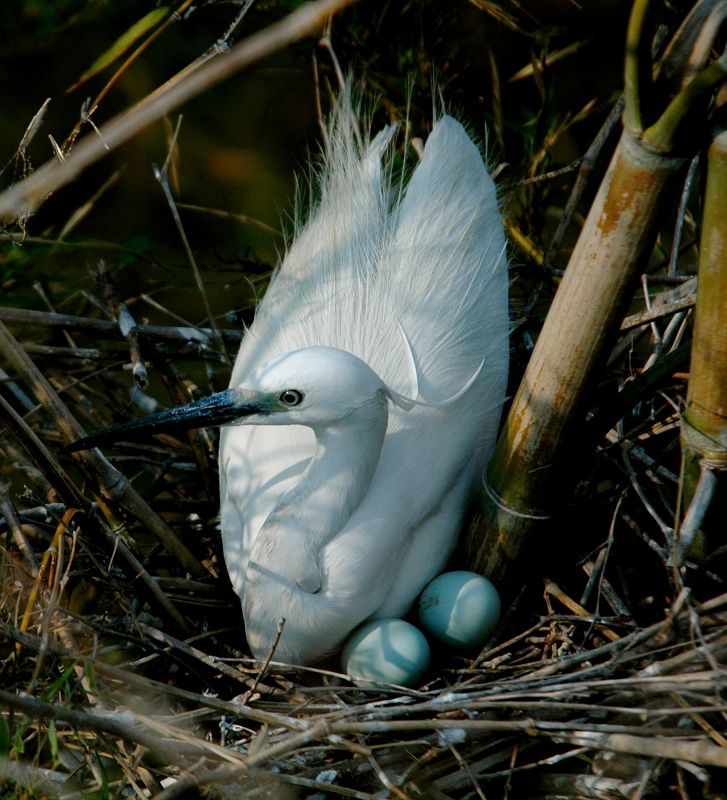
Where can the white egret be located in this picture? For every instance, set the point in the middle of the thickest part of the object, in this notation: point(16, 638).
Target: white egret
point(341, 498)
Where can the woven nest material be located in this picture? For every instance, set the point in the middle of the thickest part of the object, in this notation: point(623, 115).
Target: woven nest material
point(124, 666)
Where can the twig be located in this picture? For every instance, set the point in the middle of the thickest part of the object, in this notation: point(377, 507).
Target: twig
point(264, 668)
point(162, 176)
point(681, 213)
point(85, 353)
point(244, 219)
point(127, 325)
point(33, 127)
point(41, 456)
point(657, 312)
point(595, 573)
point(585, 171)
point(111, 329)
point(196, 653)
point(703, 494)
point(598, 572)
point(553, 589)
point(222, 45)
point(41, 513)
point(708, 755)
point(666, 531)
point(13, 522)
point(25, 197)
point(118, 545)
point(114, 486)
point(85, 209)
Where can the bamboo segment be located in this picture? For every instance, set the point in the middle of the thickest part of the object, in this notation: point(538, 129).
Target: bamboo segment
point(704, 424)
point(704, 429)
point(531, 469)
point(526, 473)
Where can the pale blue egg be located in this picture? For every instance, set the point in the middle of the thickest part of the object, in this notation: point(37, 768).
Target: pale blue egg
point(460, 609)
point(385, 651)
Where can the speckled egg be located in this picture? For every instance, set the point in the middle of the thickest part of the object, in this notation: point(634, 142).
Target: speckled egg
point(385, 651)
point(460, 609)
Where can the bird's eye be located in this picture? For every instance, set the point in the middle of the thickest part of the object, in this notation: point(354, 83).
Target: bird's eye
point(291, 397)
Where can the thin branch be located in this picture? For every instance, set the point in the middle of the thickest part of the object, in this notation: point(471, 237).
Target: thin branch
point(28, 195)
point(162, 176)
point(697, 510)
point(657, 312)
point(181, 334)
point(585, 172)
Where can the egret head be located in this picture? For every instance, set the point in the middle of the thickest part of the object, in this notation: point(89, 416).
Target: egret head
point(313, 386)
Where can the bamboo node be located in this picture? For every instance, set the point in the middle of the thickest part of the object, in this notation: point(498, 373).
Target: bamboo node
point(507, 509)
point(712, 449)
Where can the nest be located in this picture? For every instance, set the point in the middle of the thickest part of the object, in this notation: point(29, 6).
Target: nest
point(124, 664)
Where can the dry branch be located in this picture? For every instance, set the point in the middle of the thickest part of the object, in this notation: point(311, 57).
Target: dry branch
point(25, 197)
point(113, 485)
point(68, 322)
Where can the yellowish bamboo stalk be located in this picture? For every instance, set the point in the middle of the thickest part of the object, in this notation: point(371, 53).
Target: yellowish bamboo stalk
point(527, 472)
point(705, 419)
point(533, 465)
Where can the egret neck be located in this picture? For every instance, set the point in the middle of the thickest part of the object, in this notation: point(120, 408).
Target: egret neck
point(314, 510)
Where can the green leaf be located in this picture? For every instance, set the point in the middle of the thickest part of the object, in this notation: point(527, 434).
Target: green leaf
point(64, 681)
point(18, 743)
point(125, 41)
point(53, 741)
point(4, 737)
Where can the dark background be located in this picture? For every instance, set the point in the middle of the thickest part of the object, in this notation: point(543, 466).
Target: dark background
point(243, 142)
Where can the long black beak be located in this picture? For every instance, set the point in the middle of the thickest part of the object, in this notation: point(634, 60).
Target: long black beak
point(217, 409)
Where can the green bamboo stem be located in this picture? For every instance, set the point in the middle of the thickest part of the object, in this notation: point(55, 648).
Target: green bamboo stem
point(705, 419)
point(635, 74)
point(704, 424)
point(663, 134)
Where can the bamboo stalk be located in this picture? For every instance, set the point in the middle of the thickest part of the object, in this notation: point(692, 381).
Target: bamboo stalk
point(705, 420)
point(526, 472)
point(532, 466)
point(704, 424)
